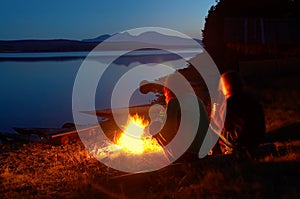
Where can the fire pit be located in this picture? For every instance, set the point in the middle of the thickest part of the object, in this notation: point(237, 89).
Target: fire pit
point(134, 149)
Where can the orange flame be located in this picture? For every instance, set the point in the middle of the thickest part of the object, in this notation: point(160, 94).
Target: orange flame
point(133, 140)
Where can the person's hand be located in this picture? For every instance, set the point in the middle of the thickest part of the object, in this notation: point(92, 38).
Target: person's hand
point(214, 110)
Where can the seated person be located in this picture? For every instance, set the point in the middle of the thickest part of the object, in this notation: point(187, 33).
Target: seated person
point(244, 126)
point(173, 117)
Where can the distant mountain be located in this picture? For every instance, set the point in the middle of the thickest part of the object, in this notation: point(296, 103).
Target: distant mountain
point(120, 42)
point(55, 45)
point(156, 38)
point(99, 39)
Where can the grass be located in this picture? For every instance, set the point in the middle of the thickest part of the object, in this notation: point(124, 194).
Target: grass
point(45, 171)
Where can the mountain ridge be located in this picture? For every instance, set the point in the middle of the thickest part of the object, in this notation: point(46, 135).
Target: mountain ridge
point(68, 45)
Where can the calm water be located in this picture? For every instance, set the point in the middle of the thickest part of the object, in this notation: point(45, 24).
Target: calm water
point(36, 88)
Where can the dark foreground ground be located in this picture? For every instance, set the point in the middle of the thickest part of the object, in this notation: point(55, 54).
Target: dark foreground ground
point(44, 171)
point(38, 170)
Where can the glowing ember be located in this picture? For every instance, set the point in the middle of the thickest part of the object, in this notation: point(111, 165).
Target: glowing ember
point(133, 139)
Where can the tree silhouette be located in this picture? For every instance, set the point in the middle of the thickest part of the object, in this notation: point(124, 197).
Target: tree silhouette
point(213, 33)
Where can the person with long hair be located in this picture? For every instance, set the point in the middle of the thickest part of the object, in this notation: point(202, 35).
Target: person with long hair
point(244, 125)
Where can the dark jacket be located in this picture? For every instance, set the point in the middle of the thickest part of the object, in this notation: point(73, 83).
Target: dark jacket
point(172, 123)
point(244, 122)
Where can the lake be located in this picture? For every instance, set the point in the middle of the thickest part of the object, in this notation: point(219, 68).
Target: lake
point(36, 88)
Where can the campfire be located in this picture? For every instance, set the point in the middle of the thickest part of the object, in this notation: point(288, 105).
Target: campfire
point(133, 149)
point(133, 141)
point(133, 138)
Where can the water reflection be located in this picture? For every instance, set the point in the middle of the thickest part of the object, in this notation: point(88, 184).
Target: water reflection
point(37, 91)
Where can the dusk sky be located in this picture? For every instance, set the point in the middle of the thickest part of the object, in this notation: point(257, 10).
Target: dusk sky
point(77, 19)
